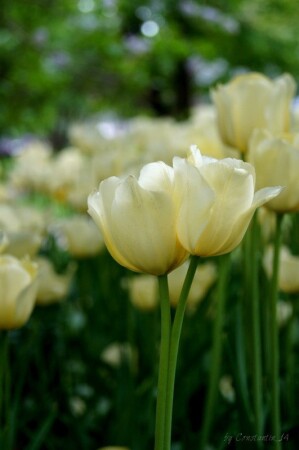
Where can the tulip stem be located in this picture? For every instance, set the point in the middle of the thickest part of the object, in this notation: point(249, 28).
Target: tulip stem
point(174, 345)
point(209, 411)
point(273, 338)
point(290, 369)
point(256, 334)
point(163, 363)
point(290, 366)
point(245, 415)
point(4, 387)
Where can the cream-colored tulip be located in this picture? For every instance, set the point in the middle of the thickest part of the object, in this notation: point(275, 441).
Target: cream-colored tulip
point(116, 353)
point(284, 312)
point(226, 220)
point(32, 167)
point(79, 235)
point(9, 219)
point(140, 136)
point(276, 162)
point(23, 244)
point(18, 286)
point(137, 219)
point(252, 101)
point(3, 241)
point(31, 219)
point(288, 280)
point(87, 137)
point(66, 168)
point(52, 286)
point(206, 135)
point(15, 218)
point(24, 228)
point(143, 291)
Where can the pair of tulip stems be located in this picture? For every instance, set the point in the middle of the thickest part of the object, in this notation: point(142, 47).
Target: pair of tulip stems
point(170, 338)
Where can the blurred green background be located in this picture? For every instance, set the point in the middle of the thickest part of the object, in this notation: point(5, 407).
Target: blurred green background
point(66, 60)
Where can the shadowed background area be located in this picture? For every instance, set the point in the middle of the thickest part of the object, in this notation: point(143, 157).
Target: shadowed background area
point(67, 60)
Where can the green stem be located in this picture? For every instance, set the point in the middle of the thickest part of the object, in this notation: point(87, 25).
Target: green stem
point(246, 415)
point(163, 363)
point(245, 327)
point(290, 370)
point(256, 336)
point(174, 346)
point(238, 370)
point(4, 387)
point(273, 338)
point(216, 353)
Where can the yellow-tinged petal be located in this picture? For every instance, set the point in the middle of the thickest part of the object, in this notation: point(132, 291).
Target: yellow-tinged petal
point(214, 224)
point(147, 218)
point(252, 101)
point(276, 162)
point(99, 205)
point(239, 229)
point(139, 224)
point(194, 199)
point(17, 291)
point(288, 280)
point(156, 176)
point(234, 189)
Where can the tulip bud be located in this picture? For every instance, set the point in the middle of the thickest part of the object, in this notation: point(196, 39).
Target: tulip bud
point(288, 281)
point(52, 287)
point(276, 162)
point(252, 101)
point(143, 290)
point(80, 236)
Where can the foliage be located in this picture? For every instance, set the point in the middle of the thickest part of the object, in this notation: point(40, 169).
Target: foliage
point(63, 61)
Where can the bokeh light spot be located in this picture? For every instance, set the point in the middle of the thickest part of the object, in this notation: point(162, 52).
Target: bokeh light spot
point(86, 6)
point(149, 28)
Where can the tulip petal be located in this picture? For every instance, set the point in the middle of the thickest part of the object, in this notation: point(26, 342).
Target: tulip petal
point(25, 303)
point(234, 188)
point(156, 177)
point(194, 198)
point(239, 229)
point(144, 227)
point(252, 101)
point(138, 225)
point(16, 277)
point(99, 208)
